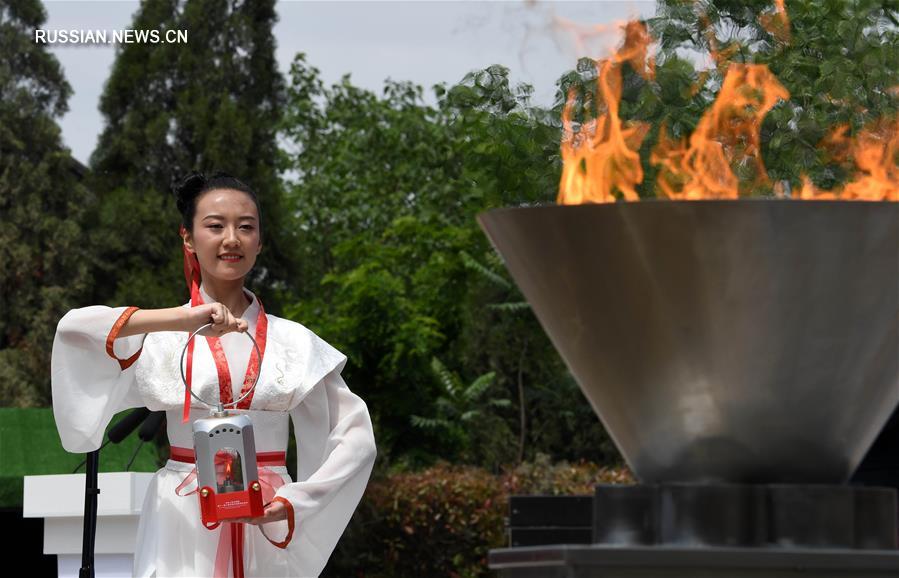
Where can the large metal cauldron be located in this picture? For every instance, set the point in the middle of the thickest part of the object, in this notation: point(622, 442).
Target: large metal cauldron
point(741, 341)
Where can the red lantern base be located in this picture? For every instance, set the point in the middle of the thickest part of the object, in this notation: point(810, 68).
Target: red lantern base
point(217, 508)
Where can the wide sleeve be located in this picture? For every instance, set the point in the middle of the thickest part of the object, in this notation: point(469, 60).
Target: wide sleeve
point(333, 467)
point(92, 374)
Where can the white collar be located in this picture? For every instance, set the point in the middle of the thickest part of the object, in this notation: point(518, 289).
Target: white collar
point(251, 311)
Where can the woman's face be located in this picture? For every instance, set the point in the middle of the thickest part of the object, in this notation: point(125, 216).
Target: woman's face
point(226, 234)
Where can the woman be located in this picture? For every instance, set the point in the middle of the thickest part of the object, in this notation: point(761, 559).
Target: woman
point(106, 360)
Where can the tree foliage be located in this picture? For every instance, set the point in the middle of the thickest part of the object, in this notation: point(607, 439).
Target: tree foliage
point(387, 190)
point(467, 420)
point(213, 103)
point(43, 258)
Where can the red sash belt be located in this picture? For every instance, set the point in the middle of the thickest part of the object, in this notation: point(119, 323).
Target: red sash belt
point(230, 547)
point(186, 455)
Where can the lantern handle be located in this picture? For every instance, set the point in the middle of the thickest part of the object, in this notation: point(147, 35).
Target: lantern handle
point(220, 408)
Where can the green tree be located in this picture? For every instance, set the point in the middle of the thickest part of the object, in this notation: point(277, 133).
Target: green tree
point(511, 308)
point(386, 193)
point(212, 103)
point(552, 415)
point(42, 245)
point(464, 416)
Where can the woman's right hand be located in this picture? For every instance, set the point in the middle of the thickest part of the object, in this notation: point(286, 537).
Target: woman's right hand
point(223, 321)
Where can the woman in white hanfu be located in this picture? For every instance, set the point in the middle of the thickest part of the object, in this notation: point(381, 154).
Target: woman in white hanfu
point(106, 360)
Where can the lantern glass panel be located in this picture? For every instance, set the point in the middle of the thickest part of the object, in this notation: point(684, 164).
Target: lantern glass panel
point(228, 471)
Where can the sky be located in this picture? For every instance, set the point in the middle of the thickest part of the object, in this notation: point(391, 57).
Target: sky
point(426, 42)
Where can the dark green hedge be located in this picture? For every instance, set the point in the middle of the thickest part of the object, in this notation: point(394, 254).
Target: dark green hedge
point(443, 520)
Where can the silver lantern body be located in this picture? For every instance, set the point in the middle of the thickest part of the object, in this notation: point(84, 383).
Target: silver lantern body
point(226, 440)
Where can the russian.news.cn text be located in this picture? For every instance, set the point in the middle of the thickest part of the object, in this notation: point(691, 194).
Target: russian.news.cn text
point(126, 36)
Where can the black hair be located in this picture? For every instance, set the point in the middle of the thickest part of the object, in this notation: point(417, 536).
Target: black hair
point(189, 189)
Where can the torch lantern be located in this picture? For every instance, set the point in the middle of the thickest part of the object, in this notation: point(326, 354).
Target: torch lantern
point(225, 451)
point(227, 477)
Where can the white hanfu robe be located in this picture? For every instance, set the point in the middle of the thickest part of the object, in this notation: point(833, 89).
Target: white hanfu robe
point(299, 376)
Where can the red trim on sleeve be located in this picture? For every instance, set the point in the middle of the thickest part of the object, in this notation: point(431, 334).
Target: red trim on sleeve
point(114, 332)
point(290, 523)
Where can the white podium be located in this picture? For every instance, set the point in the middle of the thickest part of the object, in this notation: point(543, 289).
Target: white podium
point(59, 499)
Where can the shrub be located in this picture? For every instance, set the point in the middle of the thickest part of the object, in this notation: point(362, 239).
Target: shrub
point(442, 521)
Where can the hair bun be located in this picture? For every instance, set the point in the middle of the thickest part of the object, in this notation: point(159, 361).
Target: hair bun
point(188, 189)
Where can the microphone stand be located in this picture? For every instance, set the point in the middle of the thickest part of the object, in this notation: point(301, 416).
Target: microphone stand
point(91, 491)
point(92, 488)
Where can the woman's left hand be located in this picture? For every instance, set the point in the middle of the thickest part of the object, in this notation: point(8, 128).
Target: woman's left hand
point(273, 512)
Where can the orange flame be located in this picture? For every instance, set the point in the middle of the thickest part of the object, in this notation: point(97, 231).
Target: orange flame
point(722, 157)
point(602, 157)
point(777, 24)
point(727, 134)
point(875, 152)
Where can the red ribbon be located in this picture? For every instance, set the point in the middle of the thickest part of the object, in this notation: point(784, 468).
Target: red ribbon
point(230, 546)
point(192, 277)
point(230, 543)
